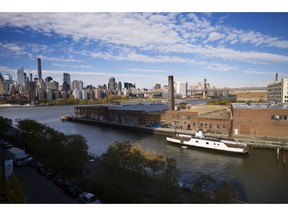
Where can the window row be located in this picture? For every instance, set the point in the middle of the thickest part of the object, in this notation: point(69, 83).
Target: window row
point(279, 117)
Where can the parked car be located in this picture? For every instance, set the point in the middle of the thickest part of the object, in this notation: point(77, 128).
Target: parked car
point(71, 189)
point(59, 180)
point(50, 174)
point(40, 167)
point(33, 163)
point(88, 198)
point(28, 158)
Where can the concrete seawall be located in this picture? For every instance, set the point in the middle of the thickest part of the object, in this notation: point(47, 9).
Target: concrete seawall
point(250, 141)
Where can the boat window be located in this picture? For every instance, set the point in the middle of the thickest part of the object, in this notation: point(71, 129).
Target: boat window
point(207, 142)
point(196, 141)
point(218, 143)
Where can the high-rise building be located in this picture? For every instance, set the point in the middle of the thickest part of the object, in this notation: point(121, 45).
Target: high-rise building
point(8, 81)
point(112, 84)
point(66, 82)
point(66, 78)
point(278, 91)
point(157, 86)
point(77, 84)
point(119, 86)
point(181, 88)
point(39, 67)
point(48, 79)
point(2, 85)
point(20, 76)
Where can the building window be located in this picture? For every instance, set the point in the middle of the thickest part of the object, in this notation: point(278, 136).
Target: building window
point(177, 116)
point(188, 117)
point(201, 125)
point(223, 127)
point(284, 117)
point(218, 126)
point(183, 117)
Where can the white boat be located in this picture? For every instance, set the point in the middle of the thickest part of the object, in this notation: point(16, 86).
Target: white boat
point(210, 143)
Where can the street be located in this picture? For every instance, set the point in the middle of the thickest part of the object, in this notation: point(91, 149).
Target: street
point(38, 189)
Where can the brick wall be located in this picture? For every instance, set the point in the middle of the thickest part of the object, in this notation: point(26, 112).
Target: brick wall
point(259, 123)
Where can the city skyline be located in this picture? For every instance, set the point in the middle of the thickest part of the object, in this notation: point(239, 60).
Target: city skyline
point(229, 49)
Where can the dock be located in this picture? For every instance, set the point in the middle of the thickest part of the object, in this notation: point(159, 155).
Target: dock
point(251, 142)
point(132, 127)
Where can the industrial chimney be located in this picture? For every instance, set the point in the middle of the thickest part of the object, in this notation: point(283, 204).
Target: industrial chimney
point(170, 93)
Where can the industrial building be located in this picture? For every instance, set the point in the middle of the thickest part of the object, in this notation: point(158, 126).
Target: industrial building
point(260, 120)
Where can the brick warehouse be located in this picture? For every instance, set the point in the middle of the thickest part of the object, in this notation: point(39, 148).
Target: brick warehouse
point(215, 121)
point(260, 120)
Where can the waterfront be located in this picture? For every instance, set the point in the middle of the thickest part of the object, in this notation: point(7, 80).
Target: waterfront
point(258, 176)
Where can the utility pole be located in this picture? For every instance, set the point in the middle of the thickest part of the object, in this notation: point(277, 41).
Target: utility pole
point(3, 173)
point(284, 154)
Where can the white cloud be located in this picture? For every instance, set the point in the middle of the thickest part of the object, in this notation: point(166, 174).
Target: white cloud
point(55, 59)
point(8, 49)
point(147, 70)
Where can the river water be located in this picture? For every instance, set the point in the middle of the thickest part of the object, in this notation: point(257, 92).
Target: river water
point(258, 176)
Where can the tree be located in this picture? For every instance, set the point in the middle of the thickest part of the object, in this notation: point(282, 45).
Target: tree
point(64, 153)
point(13, 190)
point(5, 123)
point(207, 190)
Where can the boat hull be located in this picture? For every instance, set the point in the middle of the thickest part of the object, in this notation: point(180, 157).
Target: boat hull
point(211, 144)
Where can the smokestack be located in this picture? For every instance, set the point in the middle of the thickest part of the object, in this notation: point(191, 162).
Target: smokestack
point(170, 93)
point(39, 69)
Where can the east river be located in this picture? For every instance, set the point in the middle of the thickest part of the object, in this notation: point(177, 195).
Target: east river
point(258, 176)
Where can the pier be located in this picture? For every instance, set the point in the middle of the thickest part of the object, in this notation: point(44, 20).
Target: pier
point(251, 142)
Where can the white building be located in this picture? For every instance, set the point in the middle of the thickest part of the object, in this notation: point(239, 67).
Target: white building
point(181, 88)
point(77, 93)
point(77, 84)
point(20, 76)
point(278, 91)
point(84, 94)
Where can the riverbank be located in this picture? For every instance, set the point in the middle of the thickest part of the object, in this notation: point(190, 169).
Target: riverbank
point(254, 142)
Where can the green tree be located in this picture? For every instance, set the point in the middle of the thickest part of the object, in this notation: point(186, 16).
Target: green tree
point(5, 123)
point(13, 190)
point(207, 190)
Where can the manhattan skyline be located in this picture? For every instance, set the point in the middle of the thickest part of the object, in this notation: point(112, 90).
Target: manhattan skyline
point(229, 49)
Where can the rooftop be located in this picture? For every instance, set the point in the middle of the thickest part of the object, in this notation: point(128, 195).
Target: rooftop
point(259, 106)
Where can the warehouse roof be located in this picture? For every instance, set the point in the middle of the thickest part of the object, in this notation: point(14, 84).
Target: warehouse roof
point(259, 106)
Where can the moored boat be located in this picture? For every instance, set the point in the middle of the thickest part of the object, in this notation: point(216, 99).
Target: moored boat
point(208, 142)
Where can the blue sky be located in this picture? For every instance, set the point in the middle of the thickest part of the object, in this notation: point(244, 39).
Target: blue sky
point(229, 49)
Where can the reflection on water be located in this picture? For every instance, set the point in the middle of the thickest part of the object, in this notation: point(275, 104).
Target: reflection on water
point(258, 176)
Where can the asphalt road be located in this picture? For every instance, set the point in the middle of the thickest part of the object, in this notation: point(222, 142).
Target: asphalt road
point(38, 189)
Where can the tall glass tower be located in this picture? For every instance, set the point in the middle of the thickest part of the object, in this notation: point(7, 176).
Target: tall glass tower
point(39, 69)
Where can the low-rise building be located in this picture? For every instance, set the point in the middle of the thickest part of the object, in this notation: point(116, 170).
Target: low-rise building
point(260, 120)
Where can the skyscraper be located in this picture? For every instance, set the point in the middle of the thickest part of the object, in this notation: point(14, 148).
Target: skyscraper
point(20, 76)
point(112, 84)
point(39, 69)
point(66, 78)
point(181, 88)
point(66, 82)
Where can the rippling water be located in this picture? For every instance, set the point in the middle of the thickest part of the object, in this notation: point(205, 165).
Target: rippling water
point(259, 177)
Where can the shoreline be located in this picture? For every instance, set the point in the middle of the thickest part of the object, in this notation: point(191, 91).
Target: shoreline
point(256, 142)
